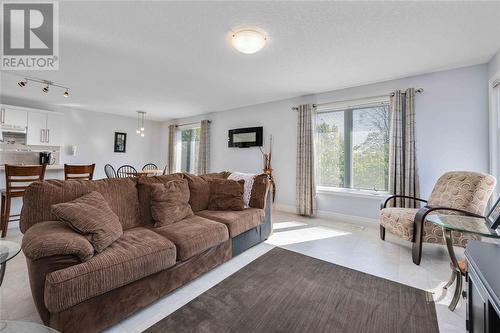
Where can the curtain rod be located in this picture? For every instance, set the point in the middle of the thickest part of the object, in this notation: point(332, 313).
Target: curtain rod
point(197, 122)
point(419, 90)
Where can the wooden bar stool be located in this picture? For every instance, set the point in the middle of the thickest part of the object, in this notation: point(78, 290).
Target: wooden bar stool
point(17, 180)
point(79, 171)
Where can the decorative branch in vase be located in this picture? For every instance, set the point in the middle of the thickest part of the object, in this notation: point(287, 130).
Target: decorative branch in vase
point(267, 154)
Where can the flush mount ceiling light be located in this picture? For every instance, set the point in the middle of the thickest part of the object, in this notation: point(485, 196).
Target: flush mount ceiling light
point(47, 84)
point(140, 123)
point(248, 41)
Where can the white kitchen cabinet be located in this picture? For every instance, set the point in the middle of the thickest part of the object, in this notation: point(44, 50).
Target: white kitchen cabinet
point(44, 129)
point(54, 129)
point(37, 128)
point(13, 118)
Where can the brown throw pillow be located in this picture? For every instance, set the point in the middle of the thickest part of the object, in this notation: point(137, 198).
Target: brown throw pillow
point(199, 192)
point(170, 202)
point(144, 192)
point(91, 216)
point(226, 194)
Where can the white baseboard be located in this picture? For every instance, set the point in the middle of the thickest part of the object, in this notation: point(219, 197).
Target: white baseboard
point(13, 225)
point(336, 217)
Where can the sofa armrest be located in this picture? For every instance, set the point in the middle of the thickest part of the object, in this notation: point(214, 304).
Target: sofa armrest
point(52, 238)
point(259, 191)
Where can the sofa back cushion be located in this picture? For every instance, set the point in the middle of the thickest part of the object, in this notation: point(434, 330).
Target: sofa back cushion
point(226, 194)
point(91, 216)
point(144, 194)
point(170, 202)
point(218, 175)
point(119, 193)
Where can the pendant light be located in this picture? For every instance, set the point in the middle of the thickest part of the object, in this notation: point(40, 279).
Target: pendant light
point(140, 123)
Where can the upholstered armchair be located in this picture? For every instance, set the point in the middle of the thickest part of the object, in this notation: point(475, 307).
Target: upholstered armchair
point(457, 192)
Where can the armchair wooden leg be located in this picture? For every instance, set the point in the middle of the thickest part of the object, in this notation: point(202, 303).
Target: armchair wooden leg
point(382, 233)
point(418, 230)
point(416, 252)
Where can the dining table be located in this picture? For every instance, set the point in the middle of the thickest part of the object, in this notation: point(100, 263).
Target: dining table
point(145, 173)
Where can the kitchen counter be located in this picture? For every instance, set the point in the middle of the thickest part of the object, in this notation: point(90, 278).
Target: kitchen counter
point(54, 167)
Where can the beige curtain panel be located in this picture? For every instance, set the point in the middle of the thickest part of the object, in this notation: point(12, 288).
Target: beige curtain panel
point(403, 175)
point(204, 151)
point(305, 181)
point(172, 136)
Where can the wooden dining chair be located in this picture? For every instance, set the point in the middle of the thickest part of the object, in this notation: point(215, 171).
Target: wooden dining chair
point(126, 171)
point(17, 180)
point(109, 171)
point(150, 166)
point(85, 172)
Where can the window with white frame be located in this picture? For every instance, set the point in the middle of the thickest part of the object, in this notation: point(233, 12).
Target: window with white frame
point(188, 144)
point(352, 147)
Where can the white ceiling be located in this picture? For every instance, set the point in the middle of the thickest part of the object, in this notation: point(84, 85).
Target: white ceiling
point(172, 59)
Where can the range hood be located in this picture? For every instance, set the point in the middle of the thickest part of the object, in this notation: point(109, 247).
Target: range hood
point(13, 129)
point(13, 134)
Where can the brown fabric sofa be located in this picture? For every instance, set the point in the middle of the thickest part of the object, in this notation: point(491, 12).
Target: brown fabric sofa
point(76, 289)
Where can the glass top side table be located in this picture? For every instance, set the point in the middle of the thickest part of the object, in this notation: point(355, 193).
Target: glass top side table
point(465, 224)
point(8, 250)
point(8, 326)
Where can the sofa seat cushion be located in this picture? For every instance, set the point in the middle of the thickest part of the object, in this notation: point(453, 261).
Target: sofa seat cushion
point(236, 221)
point(194, 235)
point(140, 252)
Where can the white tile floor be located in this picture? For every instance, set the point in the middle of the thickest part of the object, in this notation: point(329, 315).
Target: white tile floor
point(353, 246)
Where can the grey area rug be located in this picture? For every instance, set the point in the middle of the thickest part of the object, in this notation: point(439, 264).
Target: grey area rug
point(284, 291)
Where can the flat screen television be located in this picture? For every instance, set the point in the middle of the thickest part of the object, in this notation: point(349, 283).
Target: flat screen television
point(245, 137)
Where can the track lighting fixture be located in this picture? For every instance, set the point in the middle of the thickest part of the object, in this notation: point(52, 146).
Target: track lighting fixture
point(47, 84)
point(140, 123)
